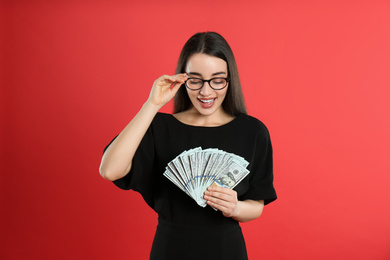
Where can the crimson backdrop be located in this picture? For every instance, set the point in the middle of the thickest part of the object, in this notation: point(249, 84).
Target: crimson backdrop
point(75, 72)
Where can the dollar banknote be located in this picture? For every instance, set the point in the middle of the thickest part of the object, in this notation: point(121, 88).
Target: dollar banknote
point(195, 170)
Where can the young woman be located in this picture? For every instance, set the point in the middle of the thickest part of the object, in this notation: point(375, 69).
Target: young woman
point(209, 113)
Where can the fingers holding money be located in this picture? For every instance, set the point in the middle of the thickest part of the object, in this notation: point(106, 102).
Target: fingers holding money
point(223, 199)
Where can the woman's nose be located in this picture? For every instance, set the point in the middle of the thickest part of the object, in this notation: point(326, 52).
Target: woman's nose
point(206, 89)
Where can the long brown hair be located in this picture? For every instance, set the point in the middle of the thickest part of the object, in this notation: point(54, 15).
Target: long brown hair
point(212, 44)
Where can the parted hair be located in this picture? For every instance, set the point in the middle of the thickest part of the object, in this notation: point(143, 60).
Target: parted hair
point(213, 44)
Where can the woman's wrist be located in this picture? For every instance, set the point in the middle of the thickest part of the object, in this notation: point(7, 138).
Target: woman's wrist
point(150, 106)
point(248, 210)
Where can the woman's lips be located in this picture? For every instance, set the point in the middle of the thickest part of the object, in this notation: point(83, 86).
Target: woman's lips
point(206, 102)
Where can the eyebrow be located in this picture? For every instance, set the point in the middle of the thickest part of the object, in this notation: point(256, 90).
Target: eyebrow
point(214, 74)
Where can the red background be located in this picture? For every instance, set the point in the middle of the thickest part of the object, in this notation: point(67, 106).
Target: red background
point(73, 73)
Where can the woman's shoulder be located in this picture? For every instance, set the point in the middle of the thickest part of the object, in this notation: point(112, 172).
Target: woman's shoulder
point(253, 122)
point(162, 118)
point(255, 128)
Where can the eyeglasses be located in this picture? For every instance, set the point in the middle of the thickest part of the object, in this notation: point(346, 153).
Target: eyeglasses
point(215, 83)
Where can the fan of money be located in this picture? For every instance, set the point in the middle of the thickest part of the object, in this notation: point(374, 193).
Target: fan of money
point(193, 171)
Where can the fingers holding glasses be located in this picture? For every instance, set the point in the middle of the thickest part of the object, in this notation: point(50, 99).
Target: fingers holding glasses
point(178, 79)
point(166, 81)
point(165, 88)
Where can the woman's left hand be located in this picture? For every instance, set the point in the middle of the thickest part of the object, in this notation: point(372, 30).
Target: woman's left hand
point(223, 199)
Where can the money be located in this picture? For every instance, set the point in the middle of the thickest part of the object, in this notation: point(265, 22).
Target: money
point(195, 170)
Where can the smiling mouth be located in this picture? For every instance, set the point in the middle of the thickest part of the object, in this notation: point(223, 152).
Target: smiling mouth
point(207, 103)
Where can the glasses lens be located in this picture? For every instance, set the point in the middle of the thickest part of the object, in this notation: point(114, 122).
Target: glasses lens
point(193, 83)
point(218, 83)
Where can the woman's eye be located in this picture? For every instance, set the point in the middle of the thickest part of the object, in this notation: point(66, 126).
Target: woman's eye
point(195, 81)
point(218, 81)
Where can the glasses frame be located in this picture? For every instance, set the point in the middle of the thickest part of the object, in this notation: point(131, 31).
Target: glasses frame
point(208, 81)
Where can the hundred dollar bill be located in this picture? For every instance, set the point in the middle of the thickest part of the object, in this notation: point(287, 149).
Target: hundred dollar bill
point(193, 171)
point(231, 175)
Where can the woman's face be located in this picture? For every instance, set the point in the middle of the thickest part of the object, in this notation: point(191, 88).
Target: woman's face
point(206, 100)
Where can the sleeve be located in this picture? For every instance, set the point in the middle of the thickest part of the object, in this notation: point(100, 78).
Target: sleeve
point(140, 177)
point(261, 178)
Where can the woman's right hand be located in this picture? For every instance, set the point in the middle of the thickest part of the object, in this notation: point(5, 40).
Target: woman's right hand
point(165, 88)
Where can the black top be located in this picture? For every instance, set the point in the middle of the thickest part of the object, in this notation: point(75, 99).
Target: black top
point(167, 137)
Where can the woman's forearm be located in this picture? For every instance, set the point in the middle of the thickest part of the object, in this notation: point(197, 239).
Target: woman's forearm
point(116, 161)
point(248, 210)
point(118, 157)
point(226, 201)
